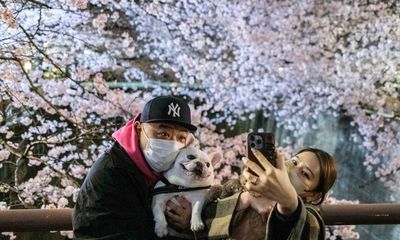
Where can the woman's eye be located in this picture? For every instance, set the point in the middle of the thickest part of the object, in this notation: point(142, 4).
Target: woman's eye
point(305, 174)
point(182, 139)
point(294, 161)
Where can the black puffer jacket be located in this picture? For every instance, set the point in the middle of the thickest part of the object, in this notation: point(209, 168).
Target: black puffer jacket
point(114, 201)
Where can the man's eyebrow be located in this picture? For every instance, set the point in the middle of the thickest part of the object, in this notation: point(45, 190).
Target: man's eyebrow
point(170, 127)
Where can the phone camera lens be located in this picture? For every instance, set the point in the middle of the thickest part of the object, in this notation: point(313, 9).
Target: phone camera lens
point(252, 138)
point(258, 141)
point(252, 145)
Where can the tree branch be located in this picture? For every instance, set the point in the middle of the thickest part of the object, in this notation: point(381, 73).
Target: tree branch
point(34, 2)
point(59, 68)
point(22, 156)
point(34, 89)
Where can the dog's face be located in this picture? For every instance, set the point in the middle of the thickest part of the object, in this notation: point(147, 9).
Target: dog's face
point(193, 168)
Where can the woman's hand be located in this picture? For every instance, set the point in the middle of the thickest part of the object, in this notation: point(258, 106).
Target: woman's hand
point(272, 183)
point(178, 213)
point(261, 204)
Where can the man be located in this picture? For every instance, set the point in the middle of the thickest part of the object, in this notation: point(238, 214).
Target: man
point(114, 201)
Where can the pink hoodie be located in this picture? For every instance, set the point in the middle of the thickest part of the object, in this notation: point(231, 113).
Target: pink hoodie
point(127, 137)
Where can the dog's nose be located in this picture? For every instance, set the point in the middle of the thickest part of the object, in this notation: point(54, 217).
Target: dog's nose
point(191, 157)
point(198, 170)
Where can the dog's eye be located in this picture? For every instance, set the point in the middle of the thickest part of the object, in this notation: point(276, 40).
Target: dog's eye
point(208, 164)
point(191, 157)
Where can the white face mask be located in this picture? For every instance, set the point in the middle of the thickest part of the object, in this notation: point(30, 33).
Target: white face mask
point(294, 178)
point(160, 153)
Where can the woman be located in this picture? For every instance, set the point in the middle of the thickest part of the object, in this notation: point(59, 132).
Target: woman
point(286, 190)
point(282, 209)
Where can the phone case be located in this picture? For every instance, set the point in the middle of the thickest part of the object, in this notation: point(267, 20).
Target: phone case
point(265, 143)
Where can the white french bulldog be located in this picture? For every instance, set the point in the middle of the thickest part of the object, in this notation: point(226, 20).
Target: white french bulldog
point(191, 175)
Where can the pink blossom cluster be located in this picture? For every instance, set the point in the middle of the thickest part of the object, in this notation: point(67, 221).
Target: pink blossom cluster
point(80, 4)
point(100, 21)
point(7, 16)
point(389, 174)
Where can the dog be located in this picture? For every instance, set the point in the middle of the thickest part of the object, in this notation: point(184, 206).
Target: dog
point(190, 176)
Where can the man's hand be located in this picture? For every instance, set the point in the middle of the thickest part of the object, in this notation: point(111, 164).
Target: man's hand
point(178, 213)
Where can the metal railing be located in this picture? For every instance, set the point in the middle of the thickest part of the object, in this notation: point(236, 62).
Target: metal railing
point(29, 220)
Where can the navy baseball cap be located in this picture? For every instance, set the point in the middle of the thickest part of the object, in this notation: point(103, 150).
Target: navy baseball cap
point(168, 109)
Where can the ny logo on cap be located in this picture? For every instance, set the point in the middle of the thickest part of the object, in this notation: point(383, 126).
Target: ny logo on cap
point(174, 110)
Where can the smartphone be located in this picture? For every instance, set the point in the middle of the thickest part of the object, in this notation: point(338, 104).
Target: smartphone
point(265, 143)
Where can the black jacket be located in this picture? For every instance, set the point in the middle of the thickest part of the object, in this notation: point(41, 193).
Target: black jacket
point(114, 201)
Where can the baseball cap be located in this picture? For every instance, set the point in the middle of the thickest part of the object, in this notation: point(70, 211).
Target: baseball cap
point(168, 109)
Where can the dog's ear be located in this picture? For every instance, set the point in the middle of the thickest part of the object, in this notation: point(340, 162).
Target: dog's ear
point(192, 141)
point(215, 158)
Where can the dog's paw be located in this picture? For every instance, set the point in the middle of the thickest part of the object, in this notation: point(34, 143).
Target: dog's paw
point(196, 224)
point(161, 229)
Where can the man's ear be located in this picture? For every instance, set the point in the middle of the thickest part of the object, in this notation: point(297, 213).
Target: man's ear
point(310, 197)
point(215, 158)
point(192, 141)
point(138, 127)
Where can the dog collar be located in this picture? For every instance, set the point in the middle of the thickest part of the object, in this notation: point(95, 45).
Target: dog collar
point(171, 188)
